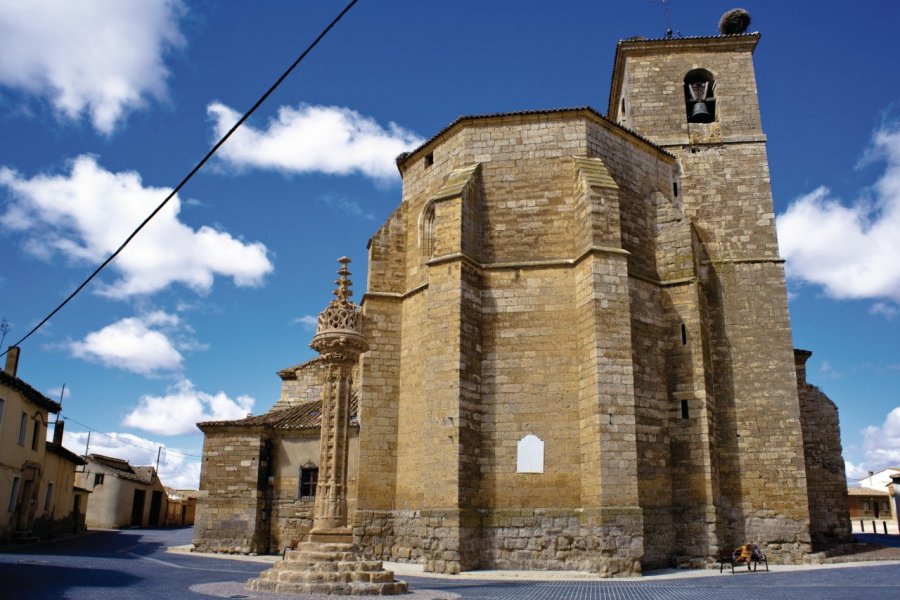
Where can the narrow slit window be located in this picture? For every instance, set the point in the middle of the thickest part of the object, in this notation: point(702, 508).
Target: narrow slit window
point(683, 335)
point(685, 410)
point(675, 188)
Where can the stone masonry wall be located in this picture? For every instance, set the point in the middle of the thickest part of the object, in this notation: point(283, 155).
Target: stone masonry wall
point(829, 513)
point(229, 515)
point(301, 384)
point(757, 448)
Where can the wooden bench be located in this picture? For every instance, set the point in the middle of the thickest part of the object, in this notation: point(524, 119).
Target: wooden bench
point(749, 554)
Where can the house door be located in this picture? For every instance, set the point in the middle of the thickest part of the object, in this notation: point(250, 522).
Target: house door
point(137, 508)
point(76, 513)
point(30, 483)
point(155, 505)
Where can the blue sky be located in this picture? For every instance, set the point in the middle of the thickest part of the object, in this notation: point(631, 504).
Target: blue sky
point(104, 106)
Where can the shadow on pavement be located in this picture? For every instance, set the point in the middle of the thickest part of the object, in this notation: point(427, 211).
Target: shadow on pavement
point(107, 544)
point(24, 580)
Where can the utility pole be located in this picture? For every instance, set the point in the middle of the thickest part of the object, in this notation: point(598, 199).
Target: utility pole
point(62, 393)
point(88, 444)
point(4, 328)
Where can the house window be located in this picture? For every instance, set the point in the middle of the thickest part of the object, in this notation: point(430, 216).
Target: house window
point(36, 434)
point(2, 405)
point(309, 478)
point(98, 479)
point(23, 428)
point(49, 497)
point(866, 506)
point(699, 96)
point(884, 506)
point(14, 494)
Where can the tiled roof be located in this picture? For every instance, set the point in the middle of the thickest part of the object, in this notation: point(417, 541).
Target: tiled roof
point(303, 416)
point(548, 111)
point(862, 491)
point(28, 392)
point(65, 453)
point(122, 469)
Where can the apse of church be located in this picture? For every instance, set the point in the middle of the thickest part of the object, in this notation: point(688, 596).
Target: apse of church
point(580, 352)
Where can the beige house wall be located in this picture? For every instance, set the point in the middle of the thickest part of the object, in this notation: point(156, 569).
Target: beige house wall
point(14, 458)
point(111, 502)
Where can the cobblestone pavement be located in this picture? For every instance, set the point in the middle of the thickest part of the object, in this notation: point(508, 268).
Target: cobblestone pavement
point(134, 564)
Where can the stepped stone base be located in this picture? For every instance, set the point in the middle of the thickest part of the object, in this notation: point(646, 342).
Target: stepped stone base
point(328, 568)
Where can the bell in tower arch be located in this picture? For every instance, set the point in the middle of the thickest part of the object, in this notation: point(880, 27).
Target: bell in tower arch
point(699, 97)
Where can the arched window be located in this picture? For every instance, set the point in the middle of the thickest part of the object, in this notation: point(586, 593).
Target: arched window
point(700, 96)
point(426, 230)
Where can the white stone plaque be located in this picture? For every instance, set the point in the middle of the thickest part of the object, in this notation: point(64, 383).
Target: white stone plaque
point(530, 455)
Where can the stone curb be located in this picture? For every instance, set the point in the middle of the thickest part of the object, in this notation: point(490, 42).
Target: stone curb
point(413, 570)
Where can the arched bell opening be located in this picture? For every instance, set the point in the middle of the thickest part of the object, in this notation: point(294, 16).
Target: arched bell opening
point(700, 96)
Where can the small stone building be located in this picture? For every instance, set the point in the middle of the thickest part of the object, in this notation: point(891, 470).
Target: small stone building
point(259, 474)
point(580, 348)
point(122, 495)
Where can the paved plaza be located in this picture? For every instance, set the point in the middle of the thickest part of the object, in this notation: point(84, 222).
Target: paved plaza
point(138, 564)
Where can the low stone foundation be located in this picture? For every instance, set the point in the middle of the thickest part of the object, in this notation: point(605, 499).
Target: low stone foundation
point(607, 542)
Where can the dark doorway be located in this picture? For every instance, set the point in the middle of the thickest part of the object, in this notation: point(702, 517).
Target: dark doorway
point(137, 509)
point(155, 504)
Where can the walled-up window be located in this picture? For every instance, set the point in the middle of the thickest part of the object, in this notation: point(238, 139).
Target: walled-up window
point(700, 96)
point(426, 231)
point(309, 479)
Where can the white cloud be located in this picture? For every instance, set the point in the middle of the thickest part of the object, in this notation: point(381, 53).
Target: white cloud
point(103, 57)
point(881, 444)
point(175, 470)
point(141, 344)
point(349, 207)
point(854, 471)
point(326, 139)
point(182, 407)
point(87, 214)
point(889, 311)
point(308, 321)
point(852, 250)
point(827, 371)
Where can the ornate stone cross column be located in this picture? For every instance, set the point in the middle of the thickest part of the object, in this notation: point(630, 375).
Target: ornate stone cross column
point(339, 340)
point(330, 563)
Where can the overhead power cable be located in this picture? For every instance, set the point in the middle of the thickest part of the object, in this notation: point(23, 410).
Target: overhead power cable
point(121, 441)
point(192, 172)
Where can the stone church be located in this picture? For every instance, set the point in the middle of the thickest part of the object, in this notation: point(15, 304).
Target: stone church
point(580, 352)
